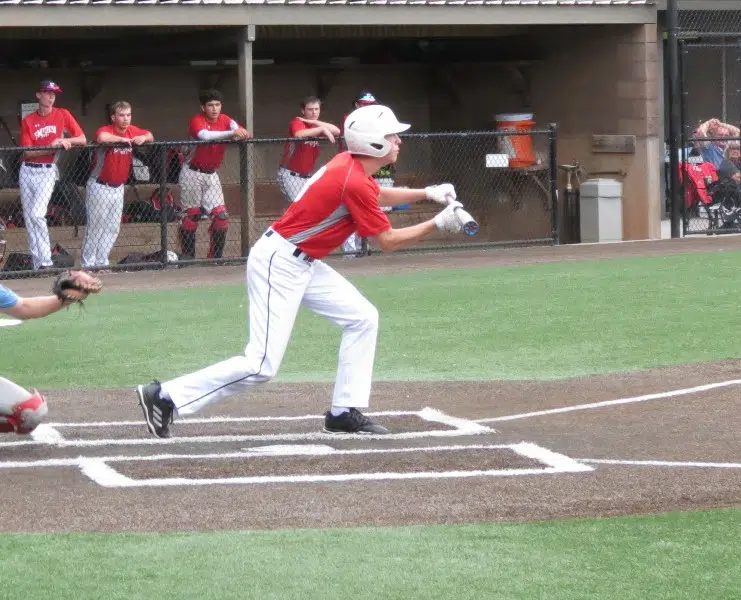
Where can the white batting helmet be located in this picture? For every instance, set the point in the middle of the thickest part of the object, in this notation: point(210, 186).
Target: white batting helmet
point(366, 129)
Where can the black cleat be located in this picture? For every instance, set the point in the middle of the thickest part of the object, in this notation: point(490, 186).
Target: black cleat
point(158, 413)
point(352, 422)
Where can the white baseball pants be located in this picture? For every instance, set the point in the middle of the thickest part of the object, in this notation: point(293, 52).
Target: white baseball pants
point(36, 186)
point(291, 185)
point(277, 284)
point(104, 206)
point(200, 189)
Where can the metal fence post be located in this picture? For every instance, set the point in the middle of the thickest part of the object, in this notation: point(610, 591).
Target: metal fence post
point(163, 203)
point(553, 161)
point(675, 119)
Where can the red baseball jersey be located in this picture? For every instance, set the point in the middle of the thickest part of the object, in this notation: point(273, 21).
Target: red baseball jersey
point(338, 200)
point(299, 156)
point(37, 130)
point(113, 165)
point(207, 156)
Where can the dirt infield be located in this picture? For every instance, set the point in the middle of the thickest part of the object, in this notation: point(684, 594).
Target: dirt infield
point(459, 452)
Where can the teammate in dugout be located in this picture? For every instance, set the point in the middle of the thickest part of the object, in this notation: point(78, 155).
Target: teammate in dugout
point(299, 158)
point(200, 186)
point(104, 193)
point(39, 173)
point(285, 270)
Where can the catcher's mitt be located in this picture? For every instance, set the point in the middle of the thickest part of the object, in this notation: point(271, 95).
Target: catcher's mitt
point(74, 286)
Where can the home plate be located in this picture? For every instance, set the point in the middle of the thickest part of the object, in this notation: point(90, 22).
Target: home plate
point(290, 450)
point(9, 322)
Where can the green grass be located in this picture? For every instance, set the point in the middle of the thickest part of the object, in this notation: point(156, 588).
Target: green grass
point(672, 556)
point(537, 321)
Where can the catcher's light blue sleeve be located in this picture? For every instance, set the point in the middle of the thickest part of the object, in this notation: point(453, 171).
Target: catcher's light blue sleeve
point(8, 299)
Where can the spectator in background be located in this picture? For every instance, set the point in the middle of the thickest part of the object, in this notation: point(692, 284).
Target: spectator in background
point(730, 167)
point(299, 158)
point(712, 151)
point(39, 174)
point(104, 192)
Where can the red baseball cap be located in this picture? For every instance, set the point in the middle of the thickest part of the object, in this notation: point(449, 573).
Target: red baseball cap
point(49, 86)
point(365, 99)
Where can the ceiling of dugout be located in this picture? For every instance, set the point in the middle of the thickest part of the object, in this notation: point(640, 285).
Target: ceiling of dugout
point(111, 48)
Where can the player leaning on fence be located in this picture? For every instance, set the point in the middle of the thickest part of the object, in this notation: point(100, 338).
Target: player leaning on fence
point(39, 173)
point(285, 271)
point(200, 186)
point(299, 158)
point(104, 193)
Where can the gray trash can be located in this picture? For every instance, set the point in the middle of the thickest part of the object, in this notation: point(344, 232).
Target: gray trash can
point(601, 211)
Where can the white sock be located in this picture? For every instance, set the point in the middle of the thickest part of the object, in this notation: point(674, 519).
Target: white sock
point(338, 410)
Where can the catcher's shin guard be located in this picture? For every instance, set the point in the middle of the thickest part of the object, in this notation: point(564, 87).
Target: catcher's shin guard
point(20, 410)
point(217, 231)
point(188, 232)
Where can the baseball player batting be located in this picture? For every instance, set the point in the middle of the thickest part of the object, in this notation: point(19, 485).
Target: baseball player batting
point(39, 173)
point(200, 186)
point(285, 270)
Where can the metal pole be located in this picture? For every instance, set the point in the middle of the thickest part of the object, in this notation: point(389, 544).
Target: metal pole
point(163, 203)
point(723, 84)
point(675, 121)
point(552, 139)
point(247, 154)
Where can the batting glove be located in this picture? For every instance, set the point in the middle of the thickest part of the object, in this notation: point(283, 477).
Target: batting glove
point(442, 194)
point(446, 220)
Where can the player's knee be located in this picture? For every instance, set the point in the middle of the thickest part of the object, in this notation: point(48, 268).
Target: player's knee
point(190, 220)
point(28, 414)
point(220, 218)
point(368, 319)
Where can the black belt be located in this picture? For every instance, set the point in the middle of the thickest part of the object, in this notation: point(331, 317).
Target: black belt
point(38, 165)
point(298, 253)
point(297, 174)
point(200, 170)
point(110, 185)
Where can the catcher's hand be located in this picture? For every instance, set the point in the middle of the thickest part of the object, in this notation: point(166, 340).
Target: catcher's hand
point(74, 286)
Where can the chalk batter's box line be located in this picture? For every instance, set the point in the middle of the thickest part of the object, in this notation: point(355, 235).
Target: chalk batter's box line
point(102, 473)
point(49, 434)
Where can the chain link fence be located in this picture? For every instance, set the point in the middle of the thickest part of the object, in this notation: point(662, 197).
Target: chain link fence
point(219, 198)
point(709, 77)
point(712, 195)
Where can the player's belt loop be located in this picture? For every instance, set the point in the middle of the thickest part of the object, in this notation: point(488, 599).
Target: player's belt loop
point(38, 165)
point(297, 252)
point(200, 170)
point(299, 175)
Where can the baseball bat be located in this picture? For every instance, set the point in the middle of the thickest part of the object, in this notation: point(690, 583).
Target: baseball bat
point(469, 224)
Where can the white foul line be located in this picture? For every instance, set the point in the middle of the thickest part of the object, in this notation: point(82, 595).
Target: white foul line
point(662, 463)
point(563, 463)
point(659, 396)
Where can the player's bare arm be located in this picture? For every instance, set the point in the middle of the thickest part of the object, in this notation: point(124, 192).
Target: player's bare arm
point(394, 239)
point(318, 131)
point(145, 138)
point(442, 194)
point(333, 129)
point(108, 138)
point(34, 308)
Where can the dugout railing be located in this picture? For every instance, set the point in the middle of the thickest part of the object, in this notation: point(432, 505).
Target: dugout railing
point(94, 224)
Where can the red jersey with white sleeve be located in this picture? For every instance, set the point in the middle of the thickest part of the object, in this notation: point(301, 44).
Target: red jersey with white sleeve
point(208, 156)
point(299, 157)
point(337, 201)
point(112, 165)
point(38, 130)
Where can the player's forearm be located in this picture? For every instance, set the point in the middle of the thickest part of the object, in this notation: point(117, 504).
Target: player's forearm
point(109, 138)
point(393, 239)
point(79, 140)
point(211, 136)
point(396, 196)
point(311, 132)
point(34, 308)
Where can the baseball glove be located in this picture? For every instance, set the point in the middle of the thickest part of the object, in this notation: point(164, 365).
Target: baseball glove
point(75, 286)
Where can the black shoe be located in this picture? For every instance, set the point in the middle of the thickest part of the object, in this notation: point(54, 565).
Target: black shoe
point(158, 413)
point(352, 422)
